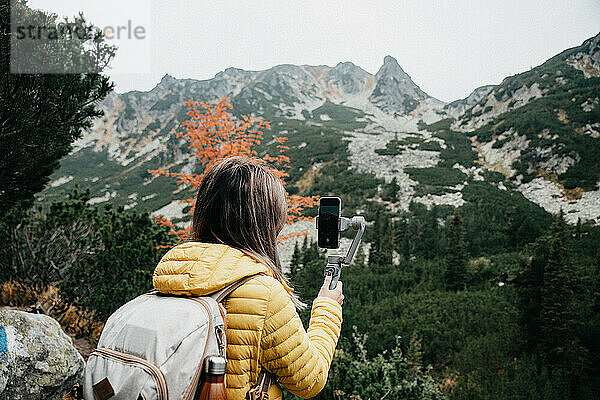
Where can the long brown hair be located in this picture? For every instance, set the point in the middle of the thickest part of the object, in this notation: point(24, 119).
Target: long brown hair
point(242, 204)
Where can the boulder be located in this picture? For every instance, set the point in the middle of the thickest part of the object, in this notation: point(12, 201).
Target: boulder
point(37, 359)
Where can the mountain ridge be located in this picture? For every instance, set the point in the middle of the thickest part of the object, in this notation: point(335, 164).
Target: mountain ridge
point(379, 118)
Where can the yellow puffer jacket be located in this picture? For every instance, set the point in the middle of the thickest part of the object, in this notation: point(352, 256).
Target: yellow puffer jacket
point(264, 330)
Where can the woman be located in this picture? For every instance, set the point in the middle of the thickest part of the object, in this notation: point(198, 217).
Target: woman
point(240, 211)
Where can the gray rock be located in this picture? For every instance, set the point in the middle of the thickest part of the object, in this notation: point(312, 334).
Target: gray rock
point(395, 91)
point(37, 359)
point(588, 61)
point(458, 107)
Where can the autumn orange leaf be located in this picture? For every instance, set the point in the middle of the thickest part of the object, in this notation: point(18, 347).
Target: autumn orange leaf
point(213, 133)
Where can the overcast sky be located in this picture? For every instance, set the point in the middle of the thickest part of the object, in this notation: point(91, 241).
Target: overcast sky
point(447, 47)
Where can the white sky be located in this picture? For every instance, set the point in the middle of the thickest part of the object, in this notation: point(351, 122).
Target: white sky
point(448, 47)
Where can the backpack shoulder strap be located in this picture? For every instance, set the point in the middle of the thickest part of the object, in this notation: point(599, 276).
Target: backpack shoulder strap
point(226, 291)
point(220, 295)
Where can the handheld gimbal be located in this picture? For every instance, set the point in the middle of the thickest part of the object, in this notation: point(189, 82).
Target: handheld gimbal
point(335, 263)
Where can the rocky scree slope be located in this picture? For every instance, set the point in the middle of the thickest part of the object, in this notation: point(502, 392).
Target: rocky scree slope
point(541, 129)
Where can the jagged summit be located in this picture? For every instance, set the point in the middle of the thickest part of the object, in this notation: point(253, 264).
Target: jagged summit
point(391, 67)
point(167, 78)
point(395, 91)
point(166, 82)
point(299, 87)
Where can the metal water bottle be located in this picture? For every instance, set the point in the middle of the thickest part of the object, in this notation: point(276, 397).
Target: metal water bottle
point(213, 383)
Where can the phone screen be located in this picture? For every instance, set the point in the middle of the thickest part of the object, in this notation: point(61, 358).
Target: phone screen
point(329, 213)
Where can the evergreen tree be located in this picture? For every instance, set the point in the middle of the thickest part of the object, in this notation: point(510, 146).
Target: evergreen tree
point(551, 310)
point(389, 239)
point(390, 191)
point(559, 342)
point(310, 252)
point(42, 114)
point(304, 250)
point(455, 276)
point(382, 243)
point(578, 229)
point(430, 234)
point(375, 241)
point(295, 263)
point(530, 283)
point(402, 237)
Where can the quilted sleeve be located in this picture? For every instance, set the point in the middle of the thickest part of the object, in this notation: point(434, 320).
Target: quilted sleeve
point(300, 358)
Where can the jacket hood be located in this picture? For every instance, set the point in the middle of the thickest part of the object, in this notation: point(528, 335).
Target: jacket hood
point(199, 269)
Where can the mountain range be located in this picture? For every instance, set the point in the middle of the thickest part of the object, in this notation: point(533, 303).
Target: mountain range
point(537, 133)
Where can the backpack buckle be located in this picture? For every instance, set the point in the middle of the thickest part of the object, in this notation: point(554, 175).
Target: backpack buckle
point(76, 393)
point(220, 334)
point(259, 392)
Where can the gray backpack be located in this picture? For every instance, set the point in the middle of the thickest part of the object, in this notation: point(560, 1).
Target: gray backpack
point(153, 347)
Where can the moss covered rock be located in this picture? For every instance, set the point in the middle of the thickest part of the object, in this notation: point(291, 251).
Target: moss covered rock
point(37, 359)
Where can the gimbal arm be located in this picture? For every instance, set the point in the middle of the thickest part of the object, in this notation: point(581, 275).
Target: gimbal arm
point(335, 263)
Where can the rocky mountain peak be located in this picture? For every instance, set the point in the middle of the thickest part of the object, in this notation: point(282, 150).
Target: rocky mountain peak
point(347, 66)
point(348, 78)
point(349, 69)
point(391, 67)
point(167, 80)
point(167, 83)
point(395, 91)
point(230, 72)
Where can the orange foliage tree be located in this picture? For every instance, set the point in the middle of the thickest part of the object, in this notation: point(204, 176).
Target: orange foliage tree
point(214, 133)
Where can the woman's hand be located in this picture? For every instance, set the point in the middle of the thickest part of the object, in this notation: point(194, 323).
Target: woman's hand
point(335, 294)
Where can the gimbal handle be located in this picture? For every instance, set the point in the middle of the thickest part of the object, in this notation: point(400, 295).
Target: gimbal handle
point(333, 269)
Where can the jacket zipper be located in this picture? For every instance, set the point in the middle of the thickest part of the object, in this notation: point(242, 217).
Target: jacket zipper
point(159, 378)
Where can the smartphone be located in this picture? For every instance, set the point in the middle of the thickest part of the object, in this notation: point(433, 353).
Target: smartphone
point(329, 216)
